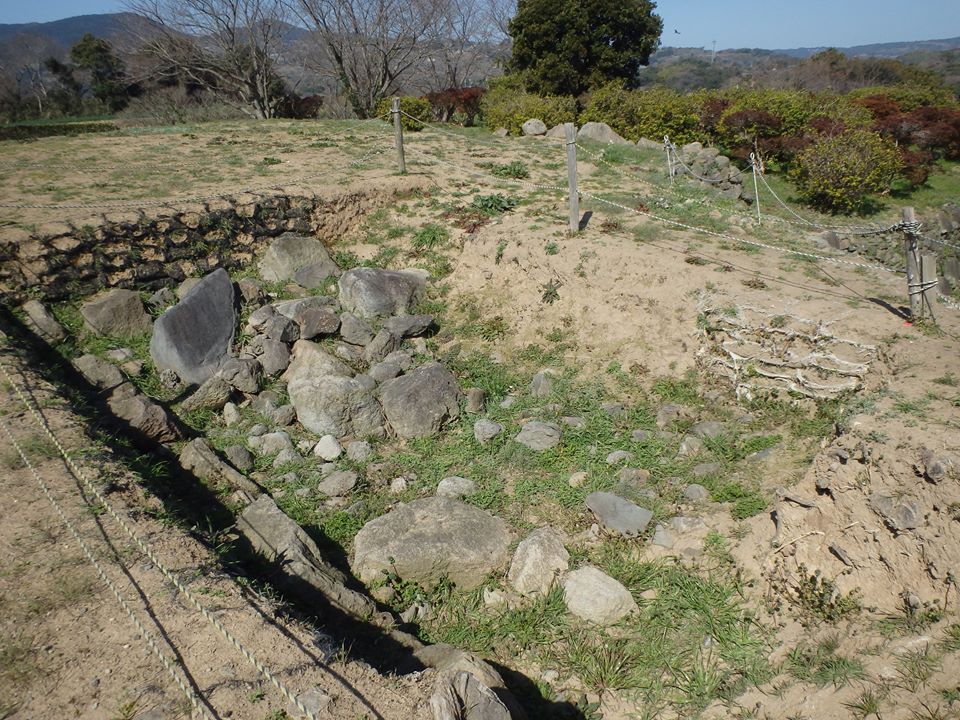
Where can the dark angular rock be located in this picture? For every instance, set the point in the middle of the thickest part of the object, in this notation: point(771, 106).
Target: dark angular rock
point(419, 403)
point(193, 338)
point(376, 293)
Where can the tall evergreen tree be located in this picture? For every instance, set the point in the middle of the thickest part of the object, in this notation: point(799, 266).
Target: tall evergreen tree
point(108, 82)
point(567, 47)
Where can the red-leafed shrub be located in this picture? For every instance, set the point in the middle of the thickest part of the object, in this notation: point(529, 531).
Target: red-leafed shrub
point(880, 106)
point(456, 104)
point(916, 166)
point(936, 129)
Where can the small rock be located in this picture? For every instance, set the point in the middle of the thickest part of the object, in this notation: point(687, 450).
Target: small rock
point(456, 487)
point(539, 436)
point(383, 594)
point(251, 291)
point(231, 415)
point(577, 479)
point(707, 469)
point(339, 483)
point(661, 537)
point(633, 476)
point(898, 513)
point(614, 409)
point(534, 127)
point(117, 313)
point(275, 357)
point(619, 456)
point(213, 394)
point(257, 430)
point(494, 597)
point(594, 596)
point(162, 298)
point(476, 400)
point(383, 371)
point(508, 402)
point(696, 493)
point(691, 445)
point(239, 457)
point(98, 372)
point(359, 450)
point(44, 322)
point(284, 415)
point(328, 448)
point(316, 321)
point(618, 515)
point(244, 374)
point(640, 436)
point(575, 422)
point(287, 456)
point(538, 561)
point(708, 429)
point(383, 343)
point(282, 329)
point(486, 430)
point(353, 330)
point(398, 485)
point(271, 443)
point(405, 326)
point(668, 415)
point(683, 524)
point(542, 383)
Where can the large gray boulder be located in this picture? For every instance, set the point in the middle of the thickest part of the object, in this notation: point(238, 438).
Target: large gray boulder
point(193, 338)
point(538, 561)
point(601, 132)
point(327, 399)
point(432, 538)
point(377, 293)
point(419, 403)
point(279, 540)
point(118, 313)
point(594, 596)
point(291, 253)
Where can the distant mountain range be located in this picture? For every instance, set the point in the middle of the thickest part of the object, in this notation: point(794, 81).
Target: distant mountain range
point(68, 31)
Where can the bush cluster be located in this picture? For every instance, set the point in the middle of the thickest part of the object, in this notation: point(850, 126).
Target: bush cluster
point(413, 106)
point(508, 105)
point(839, 173)
point(653, 113)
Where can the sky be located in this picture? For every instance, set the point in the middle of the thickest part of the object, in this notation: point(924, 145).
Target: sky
point(731, 23)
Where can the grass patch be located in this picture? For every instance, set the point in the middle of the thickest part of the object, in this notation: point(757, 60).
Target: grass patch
point(821, 664)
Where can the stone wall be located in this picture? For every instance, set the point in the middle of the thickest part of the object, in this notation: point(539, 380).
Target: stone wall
point(141, 252)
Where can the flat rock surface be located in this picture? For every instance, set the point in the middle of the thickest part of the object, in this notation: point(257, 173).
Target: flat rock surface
point(193, 337)
point(618, 515)
point(419, 403)
point(594, 596)
point(432, 538)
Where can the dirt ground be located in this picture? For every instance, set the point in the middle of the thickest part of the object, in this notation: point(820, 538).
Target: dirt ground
point(69, 649)
point(629, 290)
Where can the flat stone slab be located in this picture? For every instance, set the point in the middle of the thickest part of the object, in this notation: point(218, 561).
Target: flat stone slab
point(539, 436)
point(378, 293)
point(291, 253)
point(618, 515)
point(118, 313)
point(432, 538)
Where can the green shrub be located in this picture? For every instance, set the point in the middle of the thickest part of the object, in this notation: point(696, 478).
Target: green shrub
point(417, 107)
point(839, 173)
point(508, 105)
point(651, 113)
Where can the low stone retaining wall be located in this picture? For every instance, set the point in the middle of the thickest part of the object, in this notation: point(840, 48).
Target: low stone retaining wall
point(140, 252)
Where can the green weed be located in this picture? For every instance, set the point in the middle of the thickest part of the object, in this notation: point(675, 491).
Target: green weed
point(822, 665)
point(430, 237)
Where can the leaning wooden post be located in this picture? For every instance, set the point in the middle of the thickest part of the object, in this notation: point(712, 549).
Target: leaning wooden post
point(571, 134)
point(398, 127)
point(908, 219)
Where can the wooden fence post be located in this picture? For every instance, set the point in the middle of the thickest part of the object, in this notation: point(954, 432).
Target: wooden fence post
point(666, 146)
point(928, 279)
point(914, 283)
point(398, 127)
point(570, 131)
